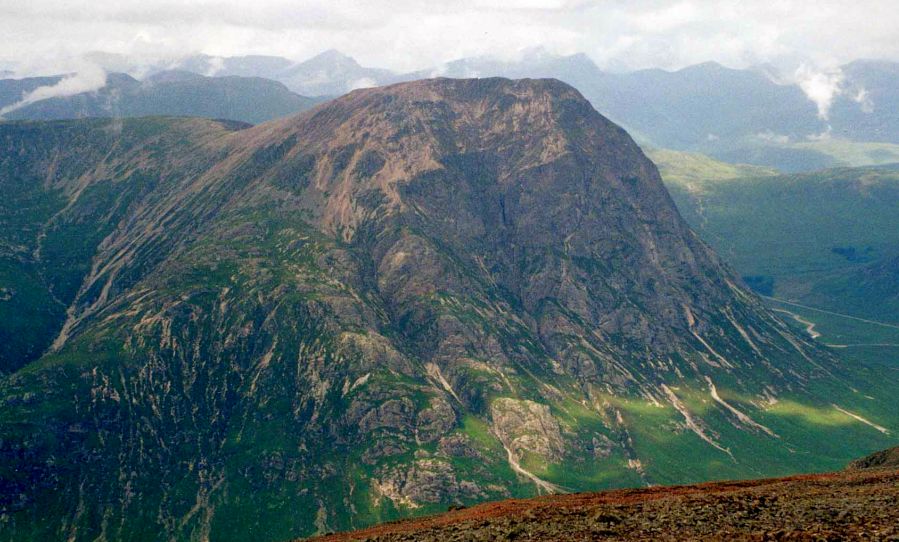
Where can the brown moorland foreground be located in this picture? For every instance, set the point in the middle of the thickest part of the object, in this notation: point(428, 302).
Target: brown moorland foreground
point(850, 505)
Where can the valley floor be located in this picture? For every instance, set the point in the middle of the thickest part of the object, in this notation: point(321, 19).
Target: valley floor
point(853, 505)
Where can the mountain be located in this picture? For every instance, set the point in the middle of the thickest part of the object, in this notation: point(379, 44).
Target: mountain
point(12, 90)
point(241, 66)
point(753, 115)
point(268, 67)
point(736, 115)
point(839, 505)
point(703, 105)
point(756, 115)
point(866, 110)
point(698, 107)
point(178, 93)
point(577, 70)
point(332, 73)
point(432, 293)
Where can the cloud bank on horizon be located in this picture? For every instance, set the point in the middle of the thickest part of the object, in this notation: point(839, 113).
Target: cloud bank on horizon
point(406, 35)
point(806, 39)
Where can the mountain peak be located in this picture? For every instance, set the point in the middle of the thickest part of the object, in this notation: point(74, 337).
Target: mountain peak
point(332, 57)
point(466, 90)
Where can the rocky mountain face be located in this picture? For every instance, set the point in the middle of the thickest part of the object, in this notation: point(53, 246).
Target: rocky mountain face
point(437, 292)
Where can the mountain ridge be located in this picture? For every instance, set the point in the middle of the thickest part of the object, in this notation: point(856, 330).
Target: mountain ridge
point(174, 93)
point(752, 115)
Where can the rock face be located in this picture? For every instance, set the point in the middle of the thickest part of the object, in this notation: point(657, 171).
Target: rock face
point(430, 293)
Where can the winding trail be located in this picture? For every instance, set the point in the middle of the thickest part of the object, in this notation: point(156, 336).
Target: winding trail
point(809, 326)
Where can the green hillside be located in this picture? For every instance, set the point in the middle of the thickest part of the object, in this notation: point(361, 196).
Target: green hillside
point(804, 155)
point(819, 238)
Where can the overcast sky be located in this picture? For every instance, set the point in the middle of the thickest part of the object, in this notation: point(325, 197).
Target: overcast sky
point(406, 35)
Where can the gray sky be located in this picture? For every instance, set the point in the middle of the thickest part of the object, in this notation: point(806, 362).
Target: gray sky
point(45, 35)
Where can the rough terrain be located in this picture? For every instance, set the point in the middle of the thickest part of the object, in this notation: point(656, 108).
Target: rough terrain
point(852, 505)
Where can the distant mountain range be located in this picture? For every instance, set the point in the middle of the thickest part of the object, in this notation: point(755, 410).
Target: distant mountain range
point(330, 73)
point(736, 115)
point(176, 93)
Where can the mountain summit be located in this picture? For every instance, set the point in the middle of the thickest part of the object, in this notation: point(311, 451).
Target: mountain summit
point(436, 292)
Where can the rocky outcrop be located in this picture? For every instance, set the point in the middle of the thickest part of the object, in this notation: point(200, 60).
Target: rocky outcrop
point(527, 427)
point(882, 459)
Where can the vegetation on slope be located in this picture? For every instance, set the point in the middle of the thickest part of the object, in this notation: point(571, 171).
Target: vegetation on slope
point(827, 239)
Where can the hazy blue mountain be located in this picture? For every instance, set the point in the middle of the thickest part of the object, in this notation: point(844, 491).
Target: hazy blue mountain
point(12, 90)
point(869, 108)
point(737, 115)
point(692, 108)
point(243, 66)
point(179, 93)
point(332, 73)
point(703, 104)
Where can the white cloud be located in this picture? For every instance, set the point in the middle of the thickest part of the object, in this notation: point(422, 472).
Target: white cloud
point(862, 98)
point(365, 82)
point(87, 79)
point(821, 86)
point(407, 35)
point(216, 64)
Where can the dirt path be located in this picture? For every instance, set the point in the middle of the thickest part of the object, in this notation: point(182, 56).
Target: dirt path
point(809, 326)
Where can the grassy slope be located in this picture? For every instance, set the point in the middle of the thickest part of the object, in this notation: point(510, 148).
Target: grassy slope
point(784, 228)
point(697, 171)
point(806, 155)
point(802, 237)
